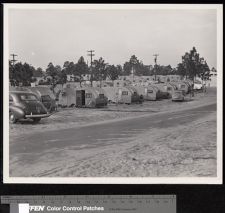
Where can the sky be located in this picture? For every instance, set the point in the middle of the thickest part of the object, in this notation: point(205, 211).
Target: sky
point(41, 36)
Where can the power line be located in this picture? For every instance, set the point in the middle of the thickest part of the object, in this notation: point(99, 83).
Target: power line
point(155, 60)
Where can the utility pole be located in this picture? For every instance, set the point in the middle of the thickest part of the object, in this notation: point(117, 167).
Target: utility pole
point(91, 54)
point(13, 60)
point(132, 72)
point(12, 81)
point(155, 60)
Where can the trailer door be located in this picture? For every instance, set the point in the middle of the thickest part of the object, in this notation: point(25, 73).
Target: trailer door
point(78, 98)
point(83, 97)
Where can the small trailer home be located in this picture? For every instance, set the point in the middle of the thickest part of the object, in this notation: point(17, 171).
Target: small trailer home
point(135, 97)
point(72, 97)
point(162, 91)
point(148, 92)
point(167, 87)
point(120, 95)
point(170, 87)
point(95, 97)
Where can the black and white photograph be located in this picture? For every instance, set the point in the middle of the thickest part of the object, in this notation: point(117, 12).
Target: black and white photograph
point(113, 93)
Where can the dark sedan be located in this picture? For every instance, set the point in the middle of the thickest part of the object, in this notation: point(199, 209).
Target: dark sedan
point(45, 95)
point(23, 105)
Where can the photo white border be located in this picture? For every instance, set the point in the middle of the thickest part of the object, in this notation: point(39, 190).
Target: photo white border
point(110, 180)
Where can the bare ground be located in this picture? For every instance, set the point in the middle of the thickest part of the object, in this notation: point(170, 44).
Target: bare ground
point(72, 117)
point(185, 151)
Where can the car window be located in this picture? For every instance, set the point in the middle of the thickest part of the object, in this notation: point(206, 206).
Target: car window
point(28, 97)
point(149, 91)
point(45, 98)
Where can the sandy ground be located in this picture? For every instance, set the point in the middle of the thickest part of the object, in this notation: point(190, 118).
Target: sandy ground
point(72, 117)
point(185, 151)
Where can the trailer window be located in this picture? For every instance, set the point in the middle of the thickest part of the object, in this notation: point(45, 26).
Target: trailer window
point(182, 86)
point(124, 92)
point(149, 91)
point(88, 95)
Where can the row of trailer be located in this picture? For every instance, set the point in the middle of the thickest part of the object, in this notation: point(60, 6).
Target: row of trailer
point(99, 97)
point(69, 96)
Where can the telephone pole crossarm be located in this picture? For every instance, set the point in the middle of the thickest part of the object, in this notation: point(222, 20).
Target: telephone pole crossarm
point(13, 60)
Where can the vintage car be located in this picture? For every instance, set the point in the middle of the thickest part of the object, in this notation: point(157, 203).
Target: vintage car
point(178, 95)
point(45, 95)
point(23, 105)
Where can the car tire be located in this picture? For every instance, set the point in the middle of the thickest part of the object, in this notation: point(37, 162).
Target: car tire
point(12, 118)
point(36, 120)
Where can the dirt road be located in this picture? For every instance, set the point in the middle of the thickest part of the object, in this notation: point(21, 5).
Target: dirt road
point(165, 144)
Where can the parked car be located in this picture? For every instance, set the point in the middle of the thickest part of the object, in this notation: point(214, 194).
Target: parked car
point(49, 103)
point(23, 105)
point(46, 96)
point(178, 95)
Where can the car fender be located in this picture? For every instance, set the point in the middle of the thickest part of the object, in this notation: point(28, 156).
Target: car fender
point(18, 112)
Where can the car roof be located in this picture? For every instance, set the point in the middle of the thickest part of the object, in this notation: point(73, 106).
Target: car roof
point(21, 92)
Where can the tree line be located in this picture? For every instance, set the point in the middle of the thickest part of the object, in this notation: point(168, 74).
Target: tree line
point(191, 66)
